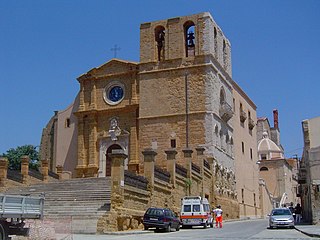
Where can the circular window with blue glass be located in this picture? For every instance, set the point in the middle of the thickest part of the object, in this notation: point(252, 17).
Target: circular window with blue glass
point(114, 93)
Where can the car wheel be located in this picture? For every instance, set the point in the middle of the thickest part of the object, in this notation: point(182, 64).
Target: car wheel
point(146, 228)
point(168, 228)
point(270, 227)
point(211, 224)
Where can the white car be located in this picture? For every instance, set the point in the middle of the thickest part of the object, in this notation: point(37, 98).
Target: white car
point(281, 217)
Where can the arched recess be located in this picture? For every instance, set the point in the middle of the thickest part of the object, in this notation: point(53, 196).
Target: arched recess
point(159, 34)
point(264, 169)
point(215, 41)
point(190, 38)
point(225, 53)
point(108, 159)
point(222, 96)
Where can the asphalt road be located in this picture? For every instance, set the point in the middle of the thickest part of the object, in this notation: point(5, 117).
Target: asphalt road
point(250, 229)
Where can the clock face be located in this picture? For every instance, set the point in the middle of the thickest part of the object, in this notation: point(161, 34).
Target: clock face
point(114, 93)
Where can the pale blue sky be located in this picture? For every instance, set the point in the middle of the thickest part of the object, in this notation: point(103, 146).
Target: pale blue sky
point(46, 45)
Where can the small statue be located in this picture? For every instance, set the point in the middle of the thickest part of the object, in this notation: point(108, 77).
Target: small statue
point(114, 130)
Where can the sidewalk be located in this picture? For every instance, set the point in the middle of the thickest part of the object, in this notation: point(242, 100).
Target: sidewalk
point(310, 230)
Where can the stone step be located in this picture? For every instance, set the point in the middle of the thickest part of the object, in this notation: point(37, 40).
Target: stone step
point(75, 184)
point(75, 203)
point(74, 213)
point(79, 201)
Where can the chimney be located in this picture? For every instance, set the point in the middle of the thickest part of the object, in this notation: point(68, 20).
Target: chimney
point(275, 119)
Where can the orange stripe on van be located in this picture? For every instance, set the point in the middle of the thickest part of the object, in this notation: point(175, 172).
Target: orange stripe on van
point(193, 216)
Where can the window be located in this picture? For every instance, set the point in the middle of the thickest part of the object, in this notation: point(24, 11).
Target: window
point(234, 104)
point(189, 29)
point(67, 123)
point(173, 143)
point(225, 54)
point(215, 41)
point(187, 208)
point(196, 208)
point(114, 93)
point(242, 195)
point(160, 41)
point(251, 153)
point(222, 96)
point(242, 147)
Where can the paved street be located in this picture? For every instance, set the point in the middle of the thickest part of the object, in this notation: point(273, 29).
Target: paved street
point(251, 229)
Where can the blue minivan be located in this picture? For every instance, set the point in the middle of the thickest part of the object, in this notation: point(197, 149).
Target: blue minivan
point(161, 218)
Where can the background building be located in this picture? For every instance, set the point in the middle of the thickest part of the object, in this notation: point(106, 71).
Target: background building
point(309, 172)
point(245, 150)
point(278, 173)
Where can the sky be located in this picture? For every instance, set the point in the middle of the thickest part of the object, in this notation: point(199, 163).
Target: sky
point(46, 45)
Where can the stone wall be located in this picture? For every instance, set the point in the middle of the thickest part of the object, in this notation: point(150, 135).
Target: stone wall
point(10, 179)
point(203, 178)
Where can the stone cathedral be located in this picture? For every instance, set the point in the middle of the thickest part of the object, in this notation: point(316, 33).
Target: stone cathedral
point(180, 96)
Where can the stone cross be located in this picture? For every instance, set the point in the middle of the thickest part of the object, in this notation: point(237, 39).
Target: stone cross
point(115, 49)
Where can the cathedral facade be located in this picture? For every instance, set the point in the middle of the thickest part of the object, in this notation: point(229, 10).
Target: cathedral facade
point(180, 96)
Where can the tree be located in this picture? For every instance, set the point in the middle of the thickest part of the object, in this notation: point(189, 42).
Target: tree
point(14, 157)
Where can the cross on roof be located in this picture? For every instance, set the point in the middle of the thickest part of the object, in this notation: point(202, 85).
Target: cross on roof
point(115, 49)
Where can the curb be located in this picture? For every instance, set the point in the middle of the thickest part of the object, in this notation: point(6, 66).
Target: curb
point(126, 232)
point(308, 234)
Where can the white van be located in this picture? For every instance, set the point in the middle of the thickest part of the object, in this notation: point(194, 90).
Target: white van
point(195, 211)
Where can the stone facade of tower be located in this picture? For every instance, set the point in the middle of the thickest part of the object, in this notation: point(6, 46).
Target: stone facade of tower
point(186, 97)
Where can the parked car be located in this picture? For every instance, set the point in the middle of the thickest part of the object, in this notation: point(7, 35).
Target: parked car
point(281, 217)
point(161, 218)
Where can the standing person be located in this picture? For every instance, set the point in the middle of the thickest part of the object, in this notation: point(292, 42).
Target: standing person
point(298, 211)
point(218, 214)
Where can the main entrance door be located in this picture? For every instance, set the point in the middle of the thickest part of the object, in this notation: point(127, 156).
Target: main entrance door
point(108, 159)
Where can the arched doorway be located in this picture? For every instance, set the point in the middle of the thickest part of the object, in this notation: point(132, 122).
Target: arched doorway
point(108, 159)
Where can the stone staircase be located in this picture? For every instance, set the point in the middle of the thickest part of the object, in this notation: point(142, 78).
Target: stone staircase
point(73, 205)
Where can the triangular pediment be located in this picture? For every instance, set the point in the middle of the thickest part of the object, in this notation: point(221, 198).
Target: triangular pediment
point(114, 66)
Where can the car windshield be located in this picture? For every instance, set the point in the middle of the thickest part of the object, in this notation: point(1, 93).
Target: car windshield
point(155, 212)
point(196, 208)
point(279, 212)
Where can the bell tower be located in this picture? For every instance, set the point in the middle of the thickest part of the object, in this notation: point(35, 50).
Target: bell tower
point(184, 37)
point(185, 86)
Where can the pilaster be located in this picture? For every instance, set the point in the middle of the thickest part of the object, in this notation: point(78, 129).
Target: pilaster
point(171, 165)
point(25, 168)
point(44, 169)
point(117, 177)
point(149, 159)
point(3, 171)
point(59, 171)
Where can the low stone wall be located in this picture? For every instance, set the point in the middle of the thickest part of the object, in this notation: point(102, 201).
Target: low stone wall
point(165, 187)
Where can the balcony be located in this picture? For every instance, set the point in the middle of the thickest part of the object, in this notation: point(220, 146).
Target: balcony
point(243, 115)
point(251, 124)
point(225, 111)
